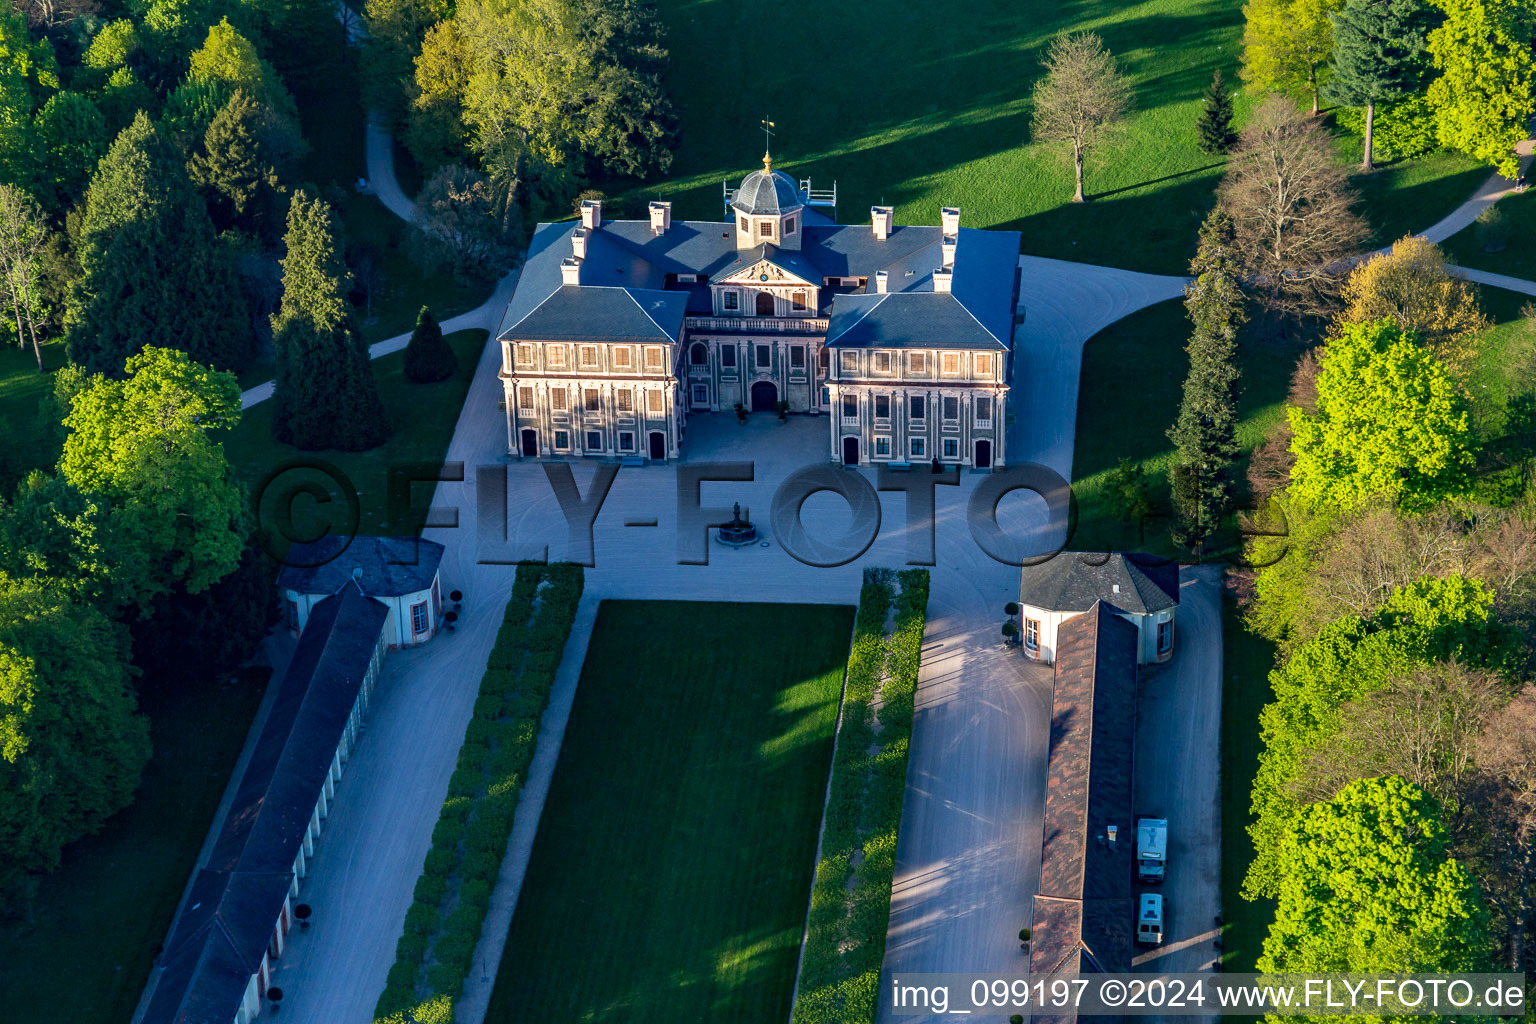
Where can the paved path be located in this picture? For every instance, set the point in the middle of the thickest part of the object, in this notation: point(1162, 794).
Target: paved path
point(1495, 188)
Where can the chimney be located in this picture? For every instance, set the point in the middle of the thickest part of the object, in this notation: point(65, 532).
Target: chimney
point(947, 250)
point(579, 243)
point(591, 214)
point(949, 221)
point(943, 279)
point(661, 217)
point(881, 279)
point(570, 270)
point(880, 216)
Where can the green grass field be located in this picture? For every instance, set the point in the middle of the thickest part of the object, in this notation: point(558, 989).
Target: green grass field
point(30, 442)
point(423, 415)
point(100, 918)
point(1133, 373)
point(923, 105)
point(674, 857)
point(1518, 256)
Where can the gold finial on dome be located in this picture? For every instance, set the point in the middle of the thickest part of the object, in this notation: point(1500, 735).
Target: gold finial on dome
point(767, 161)
point(767, 135)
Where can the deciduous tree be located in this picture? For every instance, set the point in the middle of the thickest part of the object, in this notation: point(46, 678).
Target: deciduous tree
point(72, 135)
point(326, 393)
point(464, 223)
point(1286, 44)
point(1291, 208)
point(23, 237)
point(1486, 93)
point(1081, 99)
point(1390, 423)
point(1411, 286)
point(1379, 56)
point(1205, 434)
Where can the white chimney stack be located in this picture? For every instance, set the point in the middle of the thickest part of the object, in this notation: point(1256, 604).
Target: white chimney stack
point(947, 250)
point(661, 217)
point(880, 216)
point(881, 282)
point(943, 278)
point(579, 243)
point(949, 221)
point(591, 214)
point(570, 270)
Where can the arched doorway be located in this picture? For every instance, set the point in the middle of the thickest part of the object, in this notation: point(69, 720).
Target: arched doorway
point(850, 451)
point(765, 304)
point(658, 445)
point(699, 354)
point(983, 454)
point(530, 442)
point(765, 396)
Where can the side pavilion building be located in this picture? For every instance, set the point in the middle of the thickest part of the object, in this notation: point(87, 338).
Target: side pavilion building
point(901, 335)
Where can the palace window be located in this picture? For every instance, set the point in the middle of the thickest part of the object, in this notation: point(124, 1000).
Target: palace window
point(654, 401)
point(557, 355)
point(699, 354)
point(589, 355)
point(700, 394)
point(848, 361)
point(557, 399)
point(917, 362)
point(917, 447)
point(653, 358)
point(983, 410)
point(951, 408)
point(951, 362)
point(592, 400)
point(765, 228)
point(728, 356)
point(984, 364)
point(797, 301)
point(951, 448)
point(1032, 636)
point(525, 398)
point(826, 395)
point(594, 441)
point(764, 357)
point(882, 362)
point(562, 440)
point(1165, 637)
point(797, 357)
point(789, 225)
point(915, 407)
point(418, 618)
point(291, 613)
point(850, 407)
point(525, 354)
point(626, 441)
point(882, 446)
point(621, 358)
point(625, 399)
point(730, 301)
point(882, 407)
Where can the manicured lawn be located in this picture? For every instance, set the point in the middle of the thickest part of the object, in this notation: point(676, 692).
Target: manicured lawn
point(673, 863)
point(29, 442)
point(424, 416)
point(1407, 196)
point(1246, 661)
point(1504, 363)
point(1132, 382)
point(1518, 257)
point(102, 916)
point(929, 106)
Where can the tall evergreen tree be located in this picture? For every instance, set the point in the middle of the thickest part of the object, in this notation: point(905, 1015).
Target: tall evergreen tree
point(1380, 55)
point(326, 393)
point(1206, 430)
point(152, 272)
point(235, 163)
point(1215, 123)
point(428, 357)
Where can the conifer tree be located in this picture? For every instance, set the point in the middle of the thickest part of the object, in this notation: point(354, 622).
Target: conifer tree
point(152, 272)
point(1215, 124)
point(1205, 433)
point(326, 393)
point(234, 162)
point(1379, 56)
point(428, 357)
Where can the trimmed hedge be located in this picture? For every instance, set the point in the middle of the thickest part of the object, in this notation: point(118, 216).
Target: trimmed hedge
point(442, 926)
point(845, 928)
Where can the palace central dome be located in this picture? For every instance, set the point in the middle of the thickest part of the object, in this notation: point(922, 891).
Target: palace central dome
point(767, 192)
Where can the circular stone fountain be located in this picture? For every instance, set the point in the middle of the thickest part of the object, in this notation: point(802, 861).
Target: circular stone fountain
point(738, 533)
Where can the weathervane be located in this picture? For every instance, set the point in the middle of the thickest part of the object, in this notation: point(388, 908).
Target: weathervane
point(767, 144)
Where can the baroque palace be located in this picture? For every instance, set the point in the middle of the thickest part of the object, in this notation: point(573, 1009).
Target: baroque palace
point(902, 336)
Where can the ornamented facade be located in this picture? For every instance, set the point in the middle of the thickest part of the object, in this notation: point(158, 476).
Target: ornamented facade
point(902, 336)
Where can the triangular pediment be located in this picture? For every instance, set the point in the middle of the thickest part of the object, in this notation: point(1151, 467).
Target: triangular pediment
point(765, 272)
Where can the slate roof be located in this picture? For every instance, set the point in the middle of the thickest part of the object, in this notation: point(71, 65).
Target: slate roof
point(767, 192)
point(390, 566)
point(221, 934)
point(1073, 580)
point(1082, 916)
point(625, 254)
point(580, 313)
